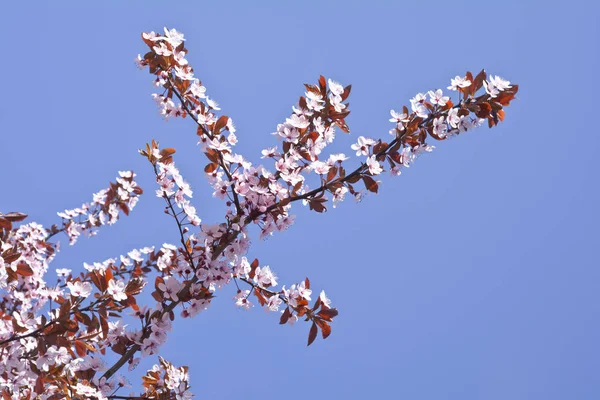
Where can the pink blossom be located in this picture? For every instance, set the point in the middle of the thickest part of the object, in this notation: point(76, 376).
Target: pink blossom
point(170, 287)
point(362, 146)
point(438, 98)
point(374, 166)
point(440, 128)
point(80, 289)
point(459, 82)
point(265, 277)
point(116, 288)
point(241, 299)
point(336, 88)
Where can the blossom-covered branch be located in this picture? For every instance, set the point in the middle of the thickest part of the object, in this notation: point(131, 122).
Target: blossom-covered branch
point(63, 352)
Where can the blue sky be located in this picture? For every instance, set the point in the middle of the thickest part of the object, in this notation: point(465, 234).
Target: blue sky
point(474, 275)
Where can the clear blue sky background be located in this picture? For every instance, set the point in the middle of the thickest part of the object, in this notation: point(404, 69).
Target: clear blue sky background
point(474, 275)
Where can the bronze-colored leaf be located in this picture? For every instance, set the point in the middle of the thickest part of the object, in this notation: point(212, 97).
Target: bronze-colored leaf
point(325, 328)
point(260, 297)
point(14, 216)
point(500, 115)
point(24, 269)
point(506, 97)
point(478, 82)
point(322, 85)
point(346, 93)
point(285, 315)
point(343, 126)
point(370, 184)
point(312, 335)
point(80, 348)
point(484, 110)
point(10, 256)
point(332, 173)
point(328, 313)
point(220, 124)
point(212, 167)
point(253, 267)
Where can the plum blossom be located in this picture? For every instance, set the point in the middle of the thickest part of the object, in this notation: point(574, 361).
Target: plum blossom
point(212, 104)
point(273, 303)
point(362, 146)
point(453, 117)
point(419, 109)
point(241, 299)
point(197, 89)
point(338, 157)
point(438, 98)
point(265, 277)
point(174, 37)
point(324, 299)
point(162, 50)
point(338, 195)
point(336, 102)
point(80, 289)
point(297, 121)
point(459, 82)
point(320, 167)
point(440, 128)
point(63, 271)
point(336, 88)
point(116, 288)
point(398, 117)
point(374, 166)
point(499, 82)
point(170, 287)
point(495, 84)
point(270, 152)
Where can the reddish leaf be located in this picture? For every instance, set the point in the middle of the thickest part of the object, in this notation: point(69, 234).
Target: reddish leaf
point(506, 97)
point(478, 83)
point(312, 335)
point(313, 136)
point(24, 269)
point(103, 321)
point(80, 348)
point(260, 297)
point(123, 207)
point(39, 384)
point(322, 84)
point(167, 152)
point(312, 88)
point(469, 89)
point(370, 184)
point(346, 93)
point(285, 316)
point(220, 124)
point(343, 126)
point(10, 257)
point(328, 314)
point(253, 267)
point(379, 147)
point(317, 205)
point(307, 283)
point(484, 110)
point(5, 224)
point(14, 216)
point(211, 167)
point(325, 328)
point(501, 115)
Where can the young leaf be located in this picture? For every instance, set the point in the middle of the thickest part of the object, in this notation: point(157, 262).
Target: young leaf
point(312, 335)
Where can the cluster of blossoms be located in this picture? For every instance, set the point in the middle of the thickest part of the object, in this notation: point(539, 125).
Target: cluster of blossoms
point(63, 353)
point(104, 209)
